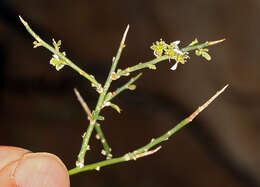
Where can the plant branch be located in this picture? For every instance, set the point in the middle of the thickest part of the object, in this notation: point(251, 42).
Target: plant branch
point(99, 106)
point(124, 87)
point(100, 134)
point(112, 72)
point(91, 78)
point(165, 57)
point(103, 140)
point(83, 103)
point(142, 65)
point(203, 45)
point(60, 55)
point(145, 150)
point(205, 105)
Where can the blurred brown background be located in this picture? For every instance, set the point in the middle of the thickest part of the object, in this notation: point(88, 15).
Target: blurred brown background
point(40, 112)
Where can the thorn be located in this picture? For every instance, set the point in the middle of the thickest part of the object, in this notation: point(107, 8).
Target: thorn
point(22, 20)
point(83, 135)
point(146, 153)
point(205, 105)
point(124, 36)
point(83, 103)
point(216, 42)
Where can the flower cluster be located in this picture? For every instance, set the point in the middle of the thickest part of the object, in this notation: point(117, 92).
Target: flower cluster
point(158, 48)
point(55, 60)
point(171, 50)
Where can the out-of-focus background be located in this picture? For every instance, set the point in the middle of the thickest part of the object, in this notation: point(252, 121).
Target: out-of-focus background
point(40, 112)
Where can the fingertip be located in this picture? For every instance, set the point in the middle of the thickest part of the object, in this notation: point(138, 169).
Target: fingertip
point(41, 170)
point(9, 154)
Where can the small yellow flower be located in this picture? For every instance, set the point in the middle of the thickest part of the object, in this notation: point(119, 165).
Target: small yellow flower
point(158, 48)
point(57, 62)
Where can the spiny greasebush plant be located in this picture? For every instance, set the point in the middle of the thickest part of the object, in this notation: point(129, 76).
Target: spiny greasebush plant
point(162, 52)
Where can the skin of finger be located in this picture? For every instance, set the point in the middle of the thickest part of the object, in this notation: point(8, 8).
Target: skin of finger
point(9, 154)
point(31, 169)
point(41, 170)
point(6, 178)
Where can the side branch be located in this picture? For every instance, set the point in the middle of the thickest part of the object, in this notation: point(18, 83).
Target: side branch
point(148, 64)
point(203, 45)
point(86, 136)
point(129, 85)
point(60, 55)
point(145, 150)
point(205, 105)
point(83, 103)
point(96, 112)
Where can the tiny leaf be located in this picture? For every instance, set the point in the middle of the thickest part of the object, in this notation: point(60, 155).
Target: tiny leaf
point(59, 43)
point(116, 107)
point(100, 118)
point(195, 41)
point(206, 56)
point(198, 52)
point(132, 87)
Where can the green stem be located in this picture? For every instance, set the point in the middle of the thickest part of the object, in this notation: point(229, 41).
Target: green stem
point(165, 57)
point(103, 141)
point(111, 72)
point(84, 145)
point(142, 65)
point(144, 151)
point(85, 142)
point(99, 106)
point(91, 78)
point(133, 155)
point(200, 46)
point(124, 87)
point(60, 55)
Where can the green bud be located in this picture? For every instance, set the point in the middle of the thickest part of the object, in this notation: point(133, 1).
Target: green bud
point(206, 56)
point(152, 66)
point(132, 87)
point(55, 61)
point(198, 52)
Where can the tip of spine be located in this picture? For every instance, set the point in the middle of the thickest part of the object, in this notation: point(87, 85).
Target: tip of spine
point(217, 41)
point(125, 33)
point(22, 20)
point(223, 89)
